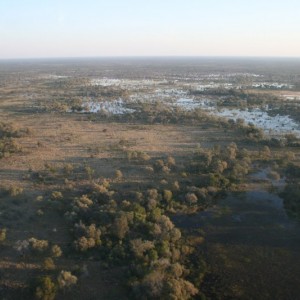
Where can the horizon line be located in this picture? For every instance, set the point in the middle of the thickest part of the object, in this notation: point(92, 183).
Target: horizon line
point(150, 56)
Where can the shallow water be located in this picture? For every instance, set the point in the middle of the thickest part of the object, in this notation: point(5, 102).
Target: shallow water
point(116, 107)
point(251, 246)
point(272, 125)
point(177, 95)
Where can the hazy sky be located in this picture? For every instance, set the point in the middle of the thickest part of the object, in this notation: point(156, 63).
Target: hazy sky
point(73, 28)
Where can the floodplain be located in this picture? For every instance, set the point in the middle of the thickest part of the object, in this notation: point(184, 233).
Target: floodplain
point(150, 178)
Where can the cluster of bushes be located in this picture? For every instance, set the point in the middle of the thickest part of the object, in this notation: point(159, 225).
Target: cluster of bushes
point(8, 147)
point(161, 113)
point(133, 229)
point(64, 104)
point(8, 133)
point(11, 130)
point(46, 287)
point(139, 156)
point(237, 97)
point(55, 174)
point(224, 166)
point(34, 246)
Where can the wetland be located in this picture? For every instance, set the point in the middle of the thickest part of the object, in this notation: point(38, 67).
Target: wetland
point(150, 178)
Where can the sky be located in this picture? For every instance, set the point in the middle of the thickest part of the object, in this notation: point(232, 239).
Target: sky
point(88, 28)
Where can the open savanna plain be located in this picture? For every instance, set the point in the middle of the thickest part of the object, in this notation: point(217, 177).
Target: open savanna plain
point(142, 199)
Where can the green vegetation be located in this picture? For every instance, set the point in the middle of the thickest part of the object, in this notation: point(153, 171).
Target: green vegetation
point(9, 132)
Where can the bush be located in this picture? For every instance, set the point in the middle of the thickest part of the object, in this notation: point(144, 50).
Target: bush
point(46, 289)
point(2, 235)
point(12, 130)
point(171, 162)
point(191, 198)
point(38, 245)
point(82, 244)
point(65, 279)
point(56, 195)
point(138, 155)
point(56, 251)
point(118, 174)
point(83, 201)
point(89, 236)
point(7, 147)
point(68, 169)
point(167, 195)
point(120, 227)
point(49, 264)
point(15, 191)
point(89, 172)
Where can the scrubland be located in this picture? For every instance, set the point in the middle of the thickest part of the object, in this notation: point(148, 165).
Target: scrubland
point(143, 198)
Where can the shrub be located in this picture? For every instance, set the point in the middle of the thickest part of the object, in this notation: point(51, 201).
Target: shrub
point(139, 247)
point(2, 235)
point(151, 204)
point(149, 169)
point(15, 191)
point(49, 264)
point(138, 155)
point(118, 174)
point(158, 165)
point(167, 195)
point(165, 170)
point(171, 162)
point(46, 289)
point(38, 245)
point(152, 194)
point(68, 169)
point(39, 212)
point(90, 172)
point(191, 198)
point(142, 156)
point(89, 236)
point(56, 251)
point(82, 244)
point(159, 285)
point(176, 186)
point(65, 279)
point(120, 227)
point(56, 195)
point(83, 201)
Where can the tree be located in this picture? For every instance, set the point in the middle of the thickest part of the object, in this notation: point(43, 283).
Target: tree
point(167, 195)
point(139, 247)
point(191, 198)
point(83, 243)
point(120, 227)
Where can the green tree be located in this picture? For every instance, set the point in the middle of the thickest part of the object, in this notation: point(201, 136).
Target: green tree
point(46, 289)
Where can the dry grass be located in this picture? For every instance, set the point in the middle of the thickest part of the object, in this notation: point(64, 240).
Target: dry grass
point(58, 139)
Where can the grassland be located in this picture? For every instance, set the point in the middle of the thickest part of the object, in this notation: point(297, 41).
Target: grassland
point(116, 200)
